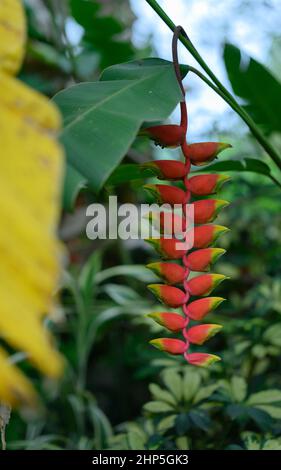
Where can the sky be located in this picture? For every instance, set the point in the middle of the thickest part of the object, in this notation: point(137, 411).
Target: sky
point(248, 24)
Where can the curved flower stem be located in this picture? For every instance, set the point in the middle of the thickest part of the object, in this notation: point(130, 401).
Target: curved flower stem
point(219, 88)
point(177, 32)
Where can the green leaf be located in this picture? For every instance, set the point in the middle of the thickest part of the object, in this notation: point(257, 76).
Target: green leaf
point(234, 447)
point(157, 407)
point(272, 444)
point(266, 396)
point(247, 164)
point(205, 392)
point(122, 295)
point(238, 388)
point(273, 411)
point(125, 172)
point(48, 55)
point(159, 394)
point(256, 166)
point(236, 411)
point(182, 443)
point(100, 423)
point(135, 441)
point(252, 440)
point(173, 382)
point(200, 419)
point(166, 423)
point(137, 271)
point(89, 272)
point(273, 334)
point(191, 384)
point(73, 183)
point(101, 119)
point(182, 423)
point(136, 69)
point(263, 419)
point(260, 90)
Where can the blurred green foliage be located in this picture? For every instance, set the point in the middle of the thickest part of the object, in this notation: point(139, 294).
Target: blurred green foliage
point(117, 392)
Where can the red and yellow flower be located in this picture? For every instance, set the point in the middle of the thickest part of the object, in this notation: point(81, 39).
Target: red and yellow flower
point(186, 258)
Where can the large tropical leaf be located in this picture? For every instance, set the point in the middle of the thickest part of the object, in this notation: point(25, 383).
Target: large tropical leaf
point(102, 119)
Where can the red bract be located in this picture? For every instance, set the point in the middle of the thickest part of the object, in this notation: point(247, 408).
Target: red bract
point(205, 235)
point(167, 194)
point(172, 321)
point(171, 273)
point(201, 333)
point(169, 135)
point(204, 284)
point(198, 309)
point(166, 169)
point(201, 359)
point(201, 260)
point(206, 210)
point(168, 248)
point(203, 185)
point(203, 152)
point(169, 345)
point(169, 295)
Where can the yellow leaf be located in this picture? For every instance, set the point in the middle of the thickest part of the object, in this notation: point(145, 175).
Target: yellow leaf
point(30, 181)
point(12, 35)
point(14, 387)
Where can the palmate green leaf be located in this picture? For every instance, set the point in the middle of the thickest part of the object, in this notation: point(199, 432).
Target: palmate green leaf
point(102, 119)
point(260, 90)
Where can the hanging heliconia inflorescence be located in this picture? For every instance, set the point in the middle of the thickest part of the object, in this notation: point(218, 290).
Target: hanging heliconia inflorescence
point(202, 255)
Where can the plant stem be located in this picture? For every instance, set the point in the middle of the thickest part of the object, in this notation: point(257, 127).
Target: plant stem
point(274, 180)
point(219, 88)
